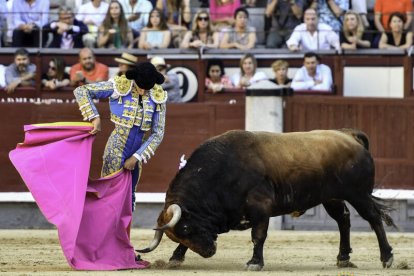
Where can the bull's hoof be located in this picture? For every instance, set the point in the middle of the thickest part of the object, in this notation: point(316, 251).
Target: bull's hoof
point(254, 267)
point(174, 264)
point(345, 263)
point(388, 263)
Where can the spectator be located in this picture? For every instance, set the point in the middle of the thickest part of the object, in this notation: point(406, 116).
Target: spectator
point(280, 69)
point(21, 72)
point(312, 75)
point(284, 17)
point(353, 36)
point(397, 38)
point(384, 8)
point(312, 35)
point(171, 83)
point(248, 74)
point(216, 80)
point(331, 12)
point(114, 31)
point(28, 17)
point(221, 12)
point(66, 33)
point(125, 63)
point(242, 36)
point(92, 14)
point(56, 77)
point(54, 6)
point(88, 70)
point(202, 34)
point(136, 13)
point(156, 34)
point(178, 17)
point(175, 12)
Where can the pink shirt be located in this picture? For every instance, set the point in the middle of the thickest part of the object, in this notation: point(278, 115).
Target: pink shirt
point(223, 11)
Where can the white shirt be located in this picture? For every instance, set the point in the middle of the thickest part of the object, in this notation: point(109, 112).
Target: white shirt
point(302, 80)
point(89, 12)
point(143, 7)
point(258, 76)
point(323, 39)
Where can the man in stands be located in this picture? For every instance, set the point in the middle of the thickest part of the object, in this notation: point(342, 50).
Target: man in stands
point(312, 75)
point(312, 35)
point(21, 72)
point(171, 83)
point(88, 70)
point(67, 32)
point(28, 17)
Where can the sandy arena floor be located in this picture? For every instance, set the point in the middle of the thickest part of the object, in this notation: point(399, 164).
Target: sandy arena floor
point(37, 252)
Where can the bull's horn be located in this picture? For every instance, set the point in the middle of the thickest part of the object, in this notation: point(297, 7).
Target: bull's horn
point(155, 242)
point(175, 209)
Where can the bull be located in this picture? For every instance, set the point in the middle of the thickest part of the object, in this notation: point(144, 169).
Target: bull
point(238, 180)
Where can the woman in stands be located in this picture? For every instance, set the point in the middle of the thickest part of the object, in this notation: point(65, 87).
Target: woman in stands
point(216, 80)
point(56, 77)
point(280, 69)
point(202, 34)
point(397, 38)
point(248, 74)
point(115, 31)
point(241, 36)
point(352, 35)
point(156, 34)
point(222, 12)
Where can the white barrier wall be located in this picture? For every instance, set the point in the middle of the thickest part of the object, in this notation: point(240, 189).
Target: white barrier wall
point(381, 82)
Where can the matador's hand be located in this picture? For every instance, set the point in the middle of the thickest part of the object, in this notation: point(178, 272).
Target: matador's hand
point(130, 163)
point(96, 123)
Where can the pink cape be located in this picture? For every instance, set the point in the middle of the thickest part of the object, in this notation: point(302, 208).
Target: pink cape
point(92, 216)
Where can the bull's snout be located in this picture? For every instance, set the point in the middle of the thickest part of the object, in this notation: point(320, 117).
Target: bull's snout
point(209, 252)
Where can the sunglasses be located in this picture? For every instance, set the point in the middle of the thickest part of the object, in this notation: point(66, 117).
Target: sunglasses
point(203, 18)
point(52, 68)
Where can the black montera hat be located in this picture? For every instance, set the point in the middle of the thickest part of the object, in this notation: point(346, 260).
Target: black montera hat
point(145, 75)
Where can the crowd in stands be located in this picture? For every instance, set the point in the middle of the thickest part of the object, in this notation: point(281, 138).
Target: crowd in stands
point(297, 25)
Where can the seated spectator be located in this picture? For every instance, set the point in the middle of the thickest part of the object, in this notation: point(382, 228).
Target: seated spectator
point(156, 34)
point(312, 75)
point(241, 36)
point(331, 12)
point(88, 70)
point(248, 74)
point(397, 38)
point(384, 8)
point(221, 12)
point(54, 6)
point(284, 17)
point(114, 31)
point(171, 83)
point(92, 14)
point(28, 17)
point(56, 77)
point(137, 14)
point(67, 32)
point(21, 72)
point(174, 11)
point(216, 80)
point(353, 35)
point(125, 62)
point(202, 34)
point(280, 69)
point(312, 35)
point(178, 17)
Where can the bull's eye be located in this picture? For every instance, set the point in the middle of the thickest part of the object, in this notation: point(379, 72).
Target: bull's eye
point(186, 229)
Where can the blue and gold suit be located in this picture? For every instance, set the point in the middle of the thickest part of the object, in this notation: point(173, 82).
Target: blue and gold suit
point(133, 116)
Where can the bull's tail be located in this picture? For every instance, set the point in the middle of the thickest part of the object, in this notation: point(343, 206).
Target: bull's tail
point(383, 207)
point(359, 136)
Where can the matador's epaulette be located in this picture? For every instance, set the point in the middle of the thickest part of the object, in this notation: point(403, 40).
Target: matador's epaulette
point(158, 95)
point(122, 85)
